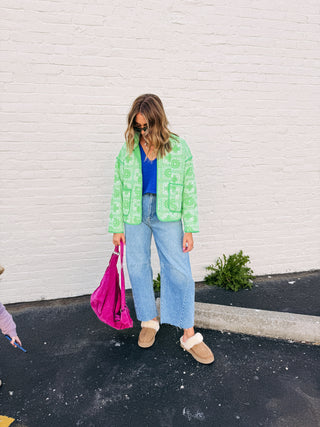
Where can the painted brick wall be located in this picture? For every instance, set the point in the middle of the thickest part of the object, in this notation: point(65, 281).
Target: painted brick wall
point(240, 82)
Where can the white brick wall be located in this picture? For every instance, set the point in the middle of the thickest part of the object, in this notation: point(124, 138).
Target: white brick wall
point(239, 80)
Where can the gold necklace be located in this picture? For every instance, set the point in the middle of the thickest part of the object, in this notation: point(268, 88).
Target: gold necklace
point(145, 142)
point(150, 151)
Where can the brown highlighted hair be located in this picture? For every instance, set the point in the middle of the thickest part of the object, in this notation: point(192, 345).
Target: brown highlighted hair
point(158, 134)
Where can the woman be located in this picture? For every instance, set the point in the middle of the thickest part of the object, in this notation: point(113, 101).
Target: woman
point(154, 191)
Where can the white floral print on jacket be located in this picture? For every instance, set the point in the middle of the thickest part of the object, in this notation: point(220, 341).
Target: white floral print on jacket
point(176, 188)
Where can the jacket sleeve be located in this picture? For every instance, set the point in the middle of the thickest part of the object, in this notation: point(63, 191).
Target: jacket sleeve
point(116, 213)
point(189, 198)
point(7, 325)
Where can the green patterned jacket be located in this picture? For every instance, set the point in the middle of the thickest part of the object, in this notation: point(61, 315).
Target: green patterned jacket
point(176, 188)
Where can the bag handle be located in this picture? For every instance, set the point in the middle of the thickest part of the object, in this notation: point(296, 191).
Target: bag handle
point(122, 283)
point(113, 260)
point(123, 286)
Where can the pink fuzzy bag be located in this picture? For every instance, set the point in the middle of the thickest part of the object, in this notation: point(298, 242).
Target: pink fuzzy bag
point(108, 301)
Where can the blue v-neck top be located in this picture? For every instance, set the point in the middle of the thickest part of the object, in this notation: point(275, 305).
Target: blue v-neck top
point(149, 173)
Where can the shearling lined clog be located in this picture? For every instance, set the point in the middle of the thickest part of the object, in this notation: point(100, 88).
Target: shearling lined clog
point(148, 333)
point(198, 349)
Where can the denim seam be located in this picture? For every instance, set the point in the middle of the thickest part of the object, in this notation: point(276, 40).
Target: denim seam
point(182, 308)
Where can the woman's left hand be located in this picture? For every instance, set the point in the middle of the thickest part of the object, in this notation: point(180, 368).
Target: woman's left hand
point(187, 244)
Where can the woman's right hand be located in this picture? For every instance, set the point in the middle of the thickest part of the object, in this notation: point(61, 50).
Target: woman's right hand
point(117, 237)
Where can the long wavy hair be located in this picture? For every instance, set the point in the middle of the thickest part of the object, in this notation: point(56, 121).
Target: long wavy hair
point(158, 135)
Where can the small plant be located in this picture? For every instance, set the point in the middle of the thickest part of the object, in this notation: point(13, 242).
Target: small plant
point(231, 273)
point(156, 283)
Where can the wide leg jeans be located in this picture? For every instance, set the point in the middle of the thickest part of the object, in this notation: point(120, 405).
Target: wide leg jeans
point(177, 286)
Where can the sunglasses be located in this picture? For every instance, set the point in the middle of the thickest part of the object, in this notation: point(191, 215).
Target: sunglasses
point(140, 129)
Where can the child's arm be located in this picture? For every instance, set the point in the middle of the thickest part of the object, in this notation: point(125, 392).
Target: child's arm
point(7, 325)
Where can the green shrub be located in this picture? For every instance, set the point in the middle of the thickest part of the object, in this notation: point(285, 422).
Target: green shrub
point(231, 273)
point(156, 283)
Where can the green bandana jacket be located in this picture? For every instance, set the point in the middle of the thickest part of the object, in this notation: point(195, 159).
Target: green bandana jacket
point(176, 188)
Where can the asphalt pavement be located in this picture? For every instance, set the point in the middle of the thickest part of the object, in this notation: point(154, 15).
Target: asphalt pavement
point(289, 293)
point(80, 372)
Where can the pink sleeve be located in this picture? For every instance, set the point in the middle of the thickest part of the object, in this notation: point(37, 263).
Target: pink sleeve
point(7, 325)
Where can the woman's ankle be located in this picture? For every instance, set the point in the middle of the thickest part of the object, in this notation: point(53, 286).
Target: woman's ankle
point(188, 333)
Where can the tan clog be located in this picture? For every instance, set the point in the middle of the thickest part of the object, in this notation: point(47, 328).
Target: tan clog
point(197, 348)
point(148, 333)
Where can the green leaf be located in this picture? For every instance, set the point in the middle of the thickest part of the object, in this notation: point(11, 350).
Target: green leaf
point(157, 283)
point(230, 273)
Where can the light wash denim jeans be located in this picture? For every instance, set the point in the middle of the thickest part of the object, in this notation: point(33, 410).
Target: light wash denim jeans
point(177, 285)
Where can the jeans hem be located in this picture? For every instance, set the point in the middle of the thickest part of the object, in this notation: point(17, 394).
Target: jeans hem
point(177, 324)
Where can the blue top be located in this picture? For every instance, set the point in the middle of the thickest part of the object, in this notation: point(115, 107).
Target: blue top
point(149, 173)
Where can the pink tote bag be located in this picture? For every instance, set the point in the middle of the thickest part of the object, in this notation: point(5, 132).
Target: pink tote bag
point(108, 301)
